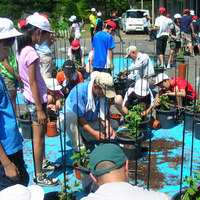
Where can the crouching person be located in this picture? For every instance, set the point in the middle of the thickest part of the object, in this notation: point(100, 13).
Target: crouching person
point(87, 105)
point(140, 94)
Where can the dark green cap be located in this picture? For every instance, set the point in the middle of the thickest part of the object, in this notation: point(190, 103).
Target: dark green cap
point(106, 152)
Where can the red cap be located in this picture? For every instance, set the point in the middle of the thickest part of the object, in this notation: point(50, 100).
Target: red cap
point(112, 24)
point(22, 23)
point(116, 12)
point(44, 16)
point(75, 44)
point(195, 17)
point(162, 10)
point(186, 10)
point(168, 15)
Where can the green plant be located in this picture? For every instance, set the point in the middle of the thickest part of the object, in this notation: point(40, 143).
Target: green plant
point(77, 64)
point(77, 156)
point(117, 78)
point(196, 106)
point(27, 113)
point(163, 103)
point(56, 69)
point(135, 118)
point(71, 189)
point(180, 54)
point(193, 191)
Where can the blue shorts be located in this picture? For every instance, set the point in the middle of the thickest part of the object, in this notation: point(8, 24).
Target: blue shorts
point(33, 110)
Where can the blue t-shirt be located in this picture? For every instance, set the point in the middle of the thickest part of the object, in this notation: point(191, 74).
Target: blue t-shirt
point(44, 48)
point(101, 43)
point(10, 136)
point(71, 102)
point(196, 27)
point(185, 24)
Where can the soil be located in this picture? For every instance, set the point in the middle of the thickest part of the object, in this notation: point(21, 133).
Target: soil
point(157, 179)
point(122, 135)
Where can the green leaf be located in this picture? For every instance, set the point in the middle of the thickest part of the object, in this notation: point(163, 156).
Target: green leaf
point(191, 191)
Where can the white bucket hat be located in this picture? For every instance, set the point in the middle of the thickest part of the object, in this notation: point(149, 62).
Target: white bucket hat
point(39, 21)
point(192, 12)
point(142, 87)
point(144, 14)
point(161, 77)
point(72, 18)
point(99, 14)
point(20, 192)
point(7, 29)
point(93, 10)
point(52, 84)
point(177, 16)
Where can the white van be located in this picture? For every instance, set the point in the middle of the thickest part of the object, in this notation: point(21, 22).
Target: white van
point(133, 20)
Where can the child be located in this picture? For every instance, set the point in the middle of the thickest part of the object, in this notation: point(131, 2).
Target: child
point(175, 34)
point(68, 77)
point(98, 24)
point(140, 94)
point(179, 88)
point(12, 169)
point(35, 92)
point(196, 32)
point(54, 95)
point(75, 28)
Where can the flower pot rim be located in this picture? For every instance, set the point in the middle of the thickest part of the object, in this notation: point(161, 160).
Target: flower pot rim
point(129, 140)
point(81, 167)
point(166, 111)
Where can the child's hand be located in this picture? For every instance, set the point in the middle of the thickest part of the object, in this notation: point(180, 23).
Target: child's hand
point(58, 104)
point(12, 172)
point(41, 117)
point(165, 94)
point(143, 113)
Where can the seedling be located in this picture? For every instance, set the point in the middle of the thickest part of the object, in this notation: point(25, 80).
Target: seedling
point(71, 189)
point(163, 103)
point(195, 106)
point(135, 119)
point(193, 191)
point(180, 55)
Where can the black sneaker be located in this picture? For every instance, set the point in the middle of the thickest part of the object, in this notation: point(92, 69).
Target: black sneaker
point(50, 166)
point(44, 180)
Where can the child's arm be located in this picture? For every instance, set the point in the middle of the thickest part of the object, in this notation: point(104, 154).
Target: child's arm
point(181, 93)
point(34, 89)
point(11, 170)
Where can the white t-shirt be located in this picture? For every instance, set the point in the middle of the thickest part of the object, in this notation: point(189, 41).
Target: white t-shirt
point(163, 22)
point(123, 190)
point(74, 56)
point(77, 30)
point(145, 22)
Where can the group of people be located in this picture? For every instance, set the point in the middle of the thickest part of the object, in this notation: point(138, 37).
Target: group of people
point(85, 114)
point(182, 30)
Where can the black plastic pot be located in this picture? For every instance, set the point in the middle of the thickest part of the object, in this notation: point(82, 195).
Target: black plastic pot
point(120, 88)
point(166, 117)
point(88, 183)
point(158, 70)
point(177, 195)
point(54, 196)
point(152, 35)
point(197, 128)
point(26, 126)
point(128, 146)
point(143, 127)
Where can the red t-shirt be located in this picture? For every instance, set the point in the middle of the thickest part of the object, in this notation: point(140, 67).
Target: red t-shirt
point(183, 84)
point(61, 78)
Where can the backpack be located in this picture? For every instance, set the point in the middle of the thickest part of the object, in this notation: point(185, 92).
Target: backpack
point(99, 25)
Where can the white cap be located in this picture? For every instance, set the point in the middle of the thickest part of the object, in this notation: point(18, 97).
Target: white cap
point(192, 12)
point(52, 84)
point(20, 192)
point(93, 10)
point(144, 14)
point(142, 87)
point(72, 18)
point(39, 21)
point(99, 14)
point(161, 77)
point(129, 50)
point(7, 29)
point(177, 16)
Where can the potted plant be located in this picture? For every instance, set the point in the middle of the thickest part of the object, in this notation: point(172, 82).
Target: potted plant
point(158, 69)
point(88, 183)
point(76, 157)
point(79, 67)
point(69, 195)
point(26, 124)
point(179, 57)
point(165, 114)
point(56, 69)
point(193, 192)
point(120, 85)
point(130, 139)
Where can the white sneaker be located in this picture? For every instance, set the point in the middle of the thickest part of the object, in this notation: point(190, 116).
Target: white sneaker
point(163, 65)
point(168, 66)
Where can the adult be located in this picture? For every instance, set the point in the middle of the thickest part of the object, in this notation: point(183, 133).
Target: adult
point(175, 41)
point(196, 32)
point(162, 26)
point(99, 23)
point(75, 28)
point(187, 29)
point(109, 170)
point(145, 21)
point(103, 44)
point(87, 105)
point(76, 54)
point(92, 19)
point(141, 65)
point(44, 51)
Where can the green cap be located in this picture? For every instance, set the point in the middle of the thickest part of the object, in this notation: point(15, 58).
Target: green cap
point(106, 152)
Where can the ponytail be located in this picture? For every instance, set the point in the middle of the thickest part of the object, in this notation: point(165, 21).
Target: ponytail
point(25, 39)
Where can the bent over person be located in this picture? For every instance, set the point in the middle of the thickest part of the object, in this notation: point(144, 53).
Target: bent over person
point(87, 105)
